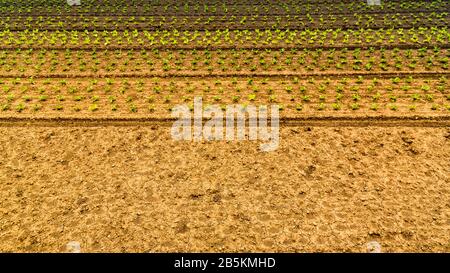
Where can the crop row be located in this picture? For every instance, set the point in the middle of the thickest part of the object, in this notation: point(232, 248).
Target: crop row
point(225, 38)
point(158, 96)
point(218, 8)
point(298, 22)
point(68, 62)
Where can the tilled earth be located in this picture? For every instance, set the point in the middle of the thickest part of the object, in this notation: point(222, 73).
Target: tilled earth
point(134, 189)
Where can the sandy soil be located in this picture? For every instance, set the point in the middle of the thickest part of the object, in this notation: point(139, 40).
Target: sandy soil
point(135, 189)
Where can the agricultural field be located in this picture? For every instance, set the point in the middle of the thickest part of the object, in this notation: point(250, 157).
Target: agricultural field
point(86, 100)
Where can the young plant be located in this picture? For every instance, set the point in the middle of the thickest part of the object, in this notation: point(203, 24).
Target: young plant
point(374, 107)
point(354, 106)
point(336, 106)
point(93, 107)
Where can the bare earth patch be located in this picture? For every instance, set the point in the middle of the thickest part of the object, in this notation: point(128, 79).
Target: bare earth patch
point(134, 189)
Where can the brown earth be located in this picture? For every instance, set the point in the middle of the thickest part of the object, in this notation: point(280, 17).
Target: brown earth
point(133, 189)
